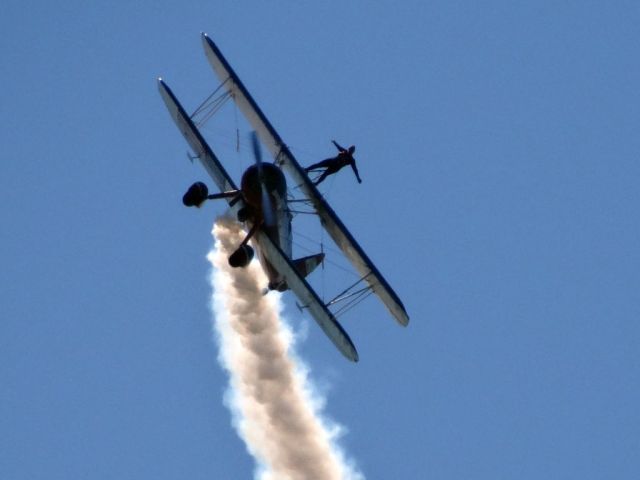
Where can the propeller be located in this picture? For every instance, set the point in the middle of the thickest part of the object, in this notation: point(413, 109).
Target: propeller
point(267, 207)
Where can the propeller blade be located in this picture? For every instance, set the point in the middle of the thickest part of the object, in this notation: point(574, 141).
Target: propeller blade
point(267, 207)
point(267, 211)
point(257, 152)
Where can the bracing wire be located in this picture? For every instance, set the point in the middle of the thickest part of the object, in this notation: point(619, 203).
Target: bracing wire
point(211, 105)
point(357, 299)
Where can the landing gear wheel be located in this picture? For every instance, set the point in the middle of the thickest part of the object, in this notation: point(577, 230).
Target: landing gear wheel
point(196, 195)
point(241, 257)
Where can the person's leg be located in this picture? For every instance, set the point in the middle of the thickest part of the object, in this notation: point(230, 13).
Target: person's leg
point(323, 164)
point(324, 175)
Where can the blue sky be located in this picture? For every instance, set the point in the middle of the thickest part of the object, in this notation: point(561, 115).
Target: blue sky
point(498, 146)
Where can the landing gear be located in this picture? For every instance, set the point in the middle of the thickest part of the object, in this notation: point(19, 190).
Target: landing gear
point(241, 257)
point(244, 254)
point(196, 195)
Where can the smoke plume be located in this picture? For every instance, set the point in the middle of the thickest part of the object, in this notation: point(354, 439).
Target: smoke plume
point(274, 407)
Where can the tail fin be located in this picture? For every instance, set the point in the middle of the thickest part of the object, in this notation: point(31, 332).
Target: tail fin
point(306, 265)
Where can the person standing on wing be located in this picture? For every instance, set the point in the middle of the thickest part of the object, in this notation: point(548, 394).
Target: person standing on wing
point(333, 165)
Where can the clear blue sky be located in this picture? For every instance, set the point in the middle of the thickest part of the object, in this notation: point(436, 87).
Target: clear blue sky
point(498, 146)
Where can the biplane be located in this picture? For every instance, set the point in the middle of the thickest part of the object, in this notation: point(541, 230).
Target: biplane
point(261, 203)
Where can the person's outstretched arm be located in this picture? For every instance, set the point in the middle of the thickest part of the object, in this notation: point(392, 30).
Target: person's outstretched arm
point(355, 170)
point(342, 149)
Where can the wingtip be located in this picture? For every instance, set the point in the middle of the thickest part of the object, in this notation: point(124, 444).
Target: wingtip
point(162, 86)
point(399, 314)
point(350, 352)
point(206, 39)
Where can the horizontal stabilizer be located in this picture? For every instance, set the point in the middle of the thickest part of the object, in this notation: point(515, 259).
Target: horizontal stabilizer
point(306, 265)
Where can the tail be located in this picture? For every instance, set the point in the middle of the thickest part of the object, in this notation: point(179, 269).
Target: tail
point(306, 265)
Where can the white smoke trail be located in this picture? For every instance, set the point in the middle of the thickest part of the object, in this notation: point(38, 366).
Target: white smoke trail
point(274, 408)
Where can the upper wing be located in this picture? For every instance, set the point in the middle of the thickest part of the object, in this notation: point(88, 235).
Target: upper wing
point(190, 132)
point(308, 296)
point(284, 157)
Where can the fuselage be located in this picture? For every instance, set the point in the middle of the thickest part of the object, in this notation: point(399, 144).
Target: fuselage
point(270, 205)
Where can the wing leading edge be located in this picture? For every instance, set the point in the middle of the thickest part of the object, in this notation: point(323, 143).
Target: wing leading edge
point(330, 221)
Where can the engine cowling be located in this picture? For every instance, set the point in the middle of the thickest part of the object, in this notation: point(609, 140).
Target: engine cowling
point(241, 257)
point(196, 195)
